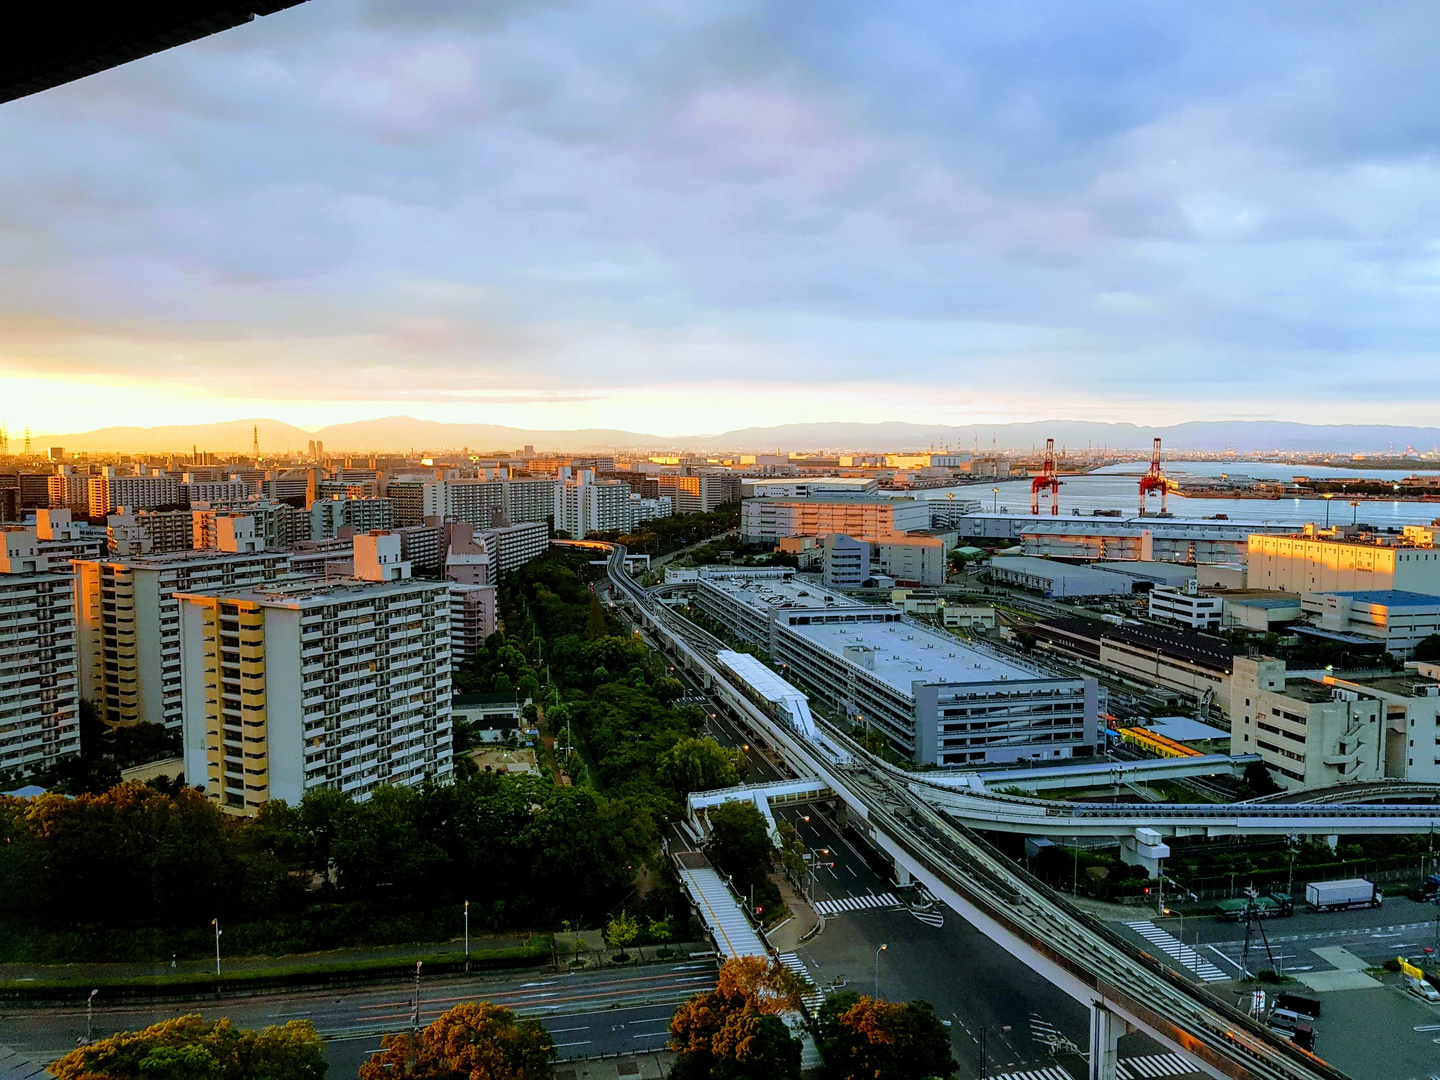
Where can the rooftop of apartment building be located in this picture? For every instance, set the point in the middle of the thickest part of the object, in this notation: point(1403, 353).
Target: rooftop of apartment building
point(904, 653)
point(311, 592)
point(169, 559)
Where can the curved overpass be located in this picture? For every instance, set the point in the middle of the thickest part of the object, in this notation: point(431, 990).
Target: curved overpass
point(1123, 986)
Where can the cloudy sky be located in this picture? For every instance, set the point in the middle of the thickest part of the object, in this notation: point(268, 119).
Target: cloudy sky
point(693, 215)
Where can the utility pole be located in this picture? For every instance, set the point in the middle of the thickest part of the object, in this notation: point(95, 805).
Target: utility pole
point(216, 923)
point(415, 1015)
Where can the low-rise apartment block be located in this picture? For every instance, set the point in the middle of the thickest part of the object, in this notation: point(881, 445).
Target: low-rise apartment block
point(771, 519)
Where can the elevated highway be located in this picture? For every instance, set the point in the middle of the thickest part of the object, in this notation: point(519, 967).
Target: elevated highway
point(1124, 987)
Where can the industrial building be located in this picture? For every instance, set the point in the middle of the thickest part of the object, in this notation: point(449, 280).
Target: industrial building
point(1317, 731)
point(771, 519)
point(912, 560)
point(938, 701)
point(1058, 579)
point(1389, 619)
point(39, 694)
point(846, 562)
point(292, 687)
point(1312, 562)
point(1188, 607)
point(820, 487)
point(1195, 665)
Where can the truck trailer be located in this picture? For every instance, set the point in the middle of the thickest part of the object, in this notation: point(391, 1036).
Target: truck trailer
point(1263, 907)
point(1343, 895)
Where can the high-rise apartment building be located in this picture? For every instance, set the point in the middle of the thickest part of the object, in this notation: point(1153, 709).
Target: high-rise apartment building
point(70, 490)
point(584, 505)
point(149, 532)
point(328, 516)
point(296, 686)
point(39, 700)
point(194, 490)
point(277, 524)
point(128, 624)
point(772, 518)
point(110, 490)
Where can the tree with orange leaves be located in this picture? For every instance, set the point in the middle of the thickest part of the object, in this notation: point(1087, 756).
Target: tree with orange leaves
point(735, 1032)
point(862, 1038)
point(475, 1041)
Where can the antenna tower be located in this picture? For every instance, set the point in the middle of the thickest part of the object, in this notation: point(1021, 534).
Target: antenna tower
point(27, 440)
point(255, 445)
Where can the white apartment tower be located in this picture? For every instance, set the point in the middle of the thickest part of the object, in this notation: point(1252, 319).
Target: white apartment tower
point(39, 700)
point(302, 685)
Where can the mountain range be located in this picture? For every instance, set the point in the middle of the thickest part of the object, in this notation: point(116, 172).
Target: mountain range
point(404, 433)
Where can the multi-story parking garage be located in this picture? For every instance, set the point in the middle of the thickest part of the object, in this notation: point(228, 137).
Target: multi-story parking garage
point(938, 700)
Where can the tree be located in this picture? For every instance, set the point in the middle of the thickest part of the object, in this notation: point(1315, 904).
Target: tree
point(861, 1037)
point(189, 1048)
point(740, 843)
point(476, 1041)
point(623, 929)
point(595, 624)
point(700, 765)
point(1428, 650)
point(1258, 779)
point(734, 1032)
point(957, 561)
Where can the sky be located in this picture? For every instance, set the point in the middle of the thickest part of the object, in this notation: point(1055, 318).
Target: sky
point(685, 216)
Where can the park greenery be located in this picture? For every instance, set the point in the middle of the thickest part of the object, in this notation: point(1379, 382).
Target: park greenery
point(662, 536)
point(475, 1040)
point(525, 851)
point(189, 1048)
point(862, 1038)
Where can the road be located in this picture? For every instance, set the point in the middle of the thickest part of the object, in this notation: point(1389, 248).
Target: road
point(587, 1013)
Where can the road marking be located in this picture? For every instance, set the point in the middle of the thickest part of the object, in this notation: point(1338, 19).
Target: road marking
point(855, 903)
point(567, 1031)
point(1178, 950)
point(562, 1046)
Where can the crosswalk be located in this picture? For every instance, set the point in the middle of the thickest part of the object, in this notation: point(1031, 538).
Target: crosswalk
point(812, 997)
point(1150, 1067)
point(1172, 946)
point(855, 903)
point(1154, 1065)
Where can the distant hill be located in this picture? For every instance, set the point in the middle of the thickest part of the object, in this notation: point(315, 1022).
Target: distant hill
point(404, 433)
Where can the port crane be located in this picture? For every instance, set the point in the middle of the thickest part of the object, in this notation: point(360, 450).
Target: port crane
point(1048, 480)
point(1154, 480)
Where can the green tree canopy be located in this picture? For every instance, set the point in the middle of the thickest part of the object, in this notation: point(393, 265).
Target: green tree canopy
point(474, 1041)
point(740, 843)
point(189, 1048)
point(700, 765)
point(864, 1039)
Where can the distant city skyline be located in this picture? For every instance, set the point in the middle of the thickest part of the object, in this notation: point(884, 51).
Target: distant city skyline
point(712, 216)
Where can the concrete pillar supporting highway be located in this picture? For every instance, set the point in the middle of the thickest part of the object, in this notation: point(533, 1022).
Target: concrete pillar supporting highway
point(1144, 849)
point(902, 876)
point(1105, 1031)
point(1333, 840)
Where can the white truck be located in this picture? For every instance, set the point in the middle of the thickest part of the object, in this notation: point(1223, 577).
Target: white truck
point(1343, 895)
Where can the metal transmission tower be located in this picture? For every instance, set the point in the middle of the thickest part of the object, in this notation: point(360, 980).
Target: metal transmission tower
point(1154, 480)
point(27, 440)
point(1048, 480)
point(4, 441)
point(255, 443)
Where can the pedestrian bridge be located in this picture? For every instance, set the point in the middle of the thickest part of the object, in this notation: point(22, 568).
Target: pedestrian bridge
point(763, 796)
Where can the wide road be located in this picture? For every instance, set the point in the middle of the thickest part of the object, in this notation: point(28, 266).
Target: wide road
point(587, 1013)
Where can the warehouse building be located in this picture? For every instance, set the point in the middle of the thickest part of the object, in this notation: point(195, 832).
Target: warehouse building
point(1058, 579)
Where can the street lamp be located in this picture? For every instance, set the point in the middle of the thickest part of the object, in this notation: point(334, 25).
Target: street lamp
point(415, 1016)
point(90, 1016)
point(216, 923)
point(467, 936)
point(878, 951)
point(995, 502)
point(1327, 497)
